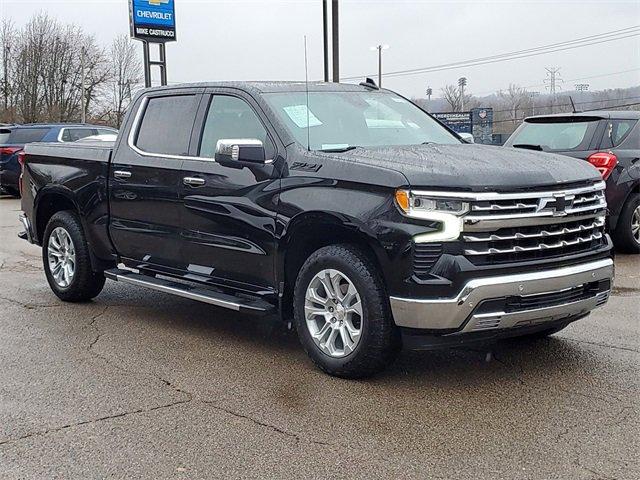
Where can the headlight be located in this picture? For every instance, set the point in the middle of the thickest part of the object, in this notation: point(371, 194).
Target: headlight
point(446, 211)
point(417, 205)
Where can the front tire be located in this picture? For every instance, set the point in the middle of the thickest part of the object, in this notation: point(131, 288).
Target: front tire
point(626, 236)
point(67, 263)
point(342, 313)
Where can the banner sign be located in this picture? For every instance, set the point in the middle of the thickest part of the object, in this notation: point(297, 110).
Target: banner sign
point(459, 122)
point(153, 20)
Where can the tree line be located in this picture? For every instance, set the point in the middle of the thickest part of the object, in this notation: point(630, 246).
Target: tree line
point(41, 73)
point(512, 105)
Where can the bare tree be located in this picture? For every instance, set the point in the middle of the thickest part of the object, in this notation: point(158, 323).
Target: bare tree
point(127, 70)
point(44, 74)
point(516, 99)
point(454, 98)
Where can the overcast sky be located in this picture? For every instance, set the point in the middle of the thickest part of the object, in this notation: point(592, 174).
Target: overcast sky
point(263, 40)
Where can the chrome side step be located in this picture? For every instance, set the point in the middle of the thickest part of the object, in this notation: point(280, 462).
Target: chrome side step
point(205, 295)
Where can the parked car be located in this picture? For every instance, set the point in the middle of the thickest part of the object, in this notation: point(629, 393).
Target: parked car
point(345, 208)
point(18, 136)
point(609, 140)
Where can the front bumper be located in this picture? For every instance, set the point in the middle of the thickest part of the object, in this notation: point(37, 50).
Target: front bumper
point(487, 303)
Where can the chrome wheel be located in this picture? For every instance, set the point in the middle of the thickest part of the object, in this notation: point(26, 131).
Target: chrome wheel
point(635, 224)
point(61, 254)
point(333, 313)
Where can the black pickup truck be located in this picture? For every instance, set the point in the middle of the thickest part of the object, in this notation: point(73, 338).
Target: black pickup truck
point(343, 207)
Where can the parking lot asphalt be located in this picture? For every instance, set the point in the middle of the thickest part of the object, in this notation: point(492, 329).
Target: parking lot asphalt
point(138, 384)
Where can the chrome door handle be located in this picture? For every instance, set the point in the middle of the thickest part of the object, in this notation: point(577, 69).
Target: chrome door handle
point(193, 181)
point(121, 174)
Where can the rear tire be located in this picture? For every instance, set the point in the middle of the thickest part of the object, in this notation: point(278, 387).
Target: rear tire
point(67, 263)
point(626, 236)
point(372, 339)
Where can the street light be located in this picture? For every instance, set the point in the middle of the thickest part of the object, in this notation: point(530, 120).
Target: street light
point(380, 48)
point(462, 82)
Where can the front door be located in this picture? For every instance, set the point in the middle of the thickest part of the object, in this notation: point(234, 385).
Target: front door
point(229, 211)
point(146, 178)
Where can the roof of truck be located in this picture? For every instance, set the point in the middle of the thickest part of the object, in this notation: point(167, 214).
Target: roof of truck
point(273, 87)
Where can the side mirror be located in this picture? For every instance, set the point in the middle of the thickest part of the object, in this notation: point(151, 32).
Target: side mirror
point(232, 150)
point(467, 137)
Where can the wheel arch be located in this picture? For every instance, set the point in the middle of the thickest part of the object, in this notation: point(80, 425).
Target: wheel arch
point(311, 231)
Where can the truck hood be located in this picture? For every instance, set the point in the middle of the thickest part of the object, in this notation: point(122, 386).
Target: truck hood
point(474, 167)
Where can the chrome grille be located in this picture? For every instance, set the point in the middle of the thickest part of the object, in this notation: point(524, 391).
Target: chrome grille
point(506, 206)
point(520, 227)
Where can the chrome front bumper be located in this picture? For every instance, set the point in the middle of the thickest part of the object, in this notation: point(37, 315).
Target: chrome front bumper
point(460, 313)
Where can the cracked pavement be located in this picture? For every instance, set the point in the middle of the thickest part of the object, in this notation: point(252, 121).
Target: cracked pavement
point(137, 384)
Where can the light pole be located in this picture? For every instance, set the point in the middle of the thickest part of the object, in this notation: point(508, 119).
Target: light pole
point(380, 48)
point(462, 82)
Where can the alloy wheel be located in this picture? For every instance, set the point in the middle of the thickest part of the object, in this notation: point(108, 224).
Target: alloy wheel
point(635, 224)
point(333, 313)
point(61, 254)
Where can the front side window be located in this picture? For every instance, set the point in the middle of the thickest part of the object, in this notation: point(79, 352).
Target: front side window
point(166, 125)
point(336, 120)
point(231, 118)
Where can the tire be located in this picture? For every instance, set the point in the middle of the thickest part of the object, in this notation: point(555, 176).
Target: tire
point(626, 236)
point(84, 284)
point(378, 341)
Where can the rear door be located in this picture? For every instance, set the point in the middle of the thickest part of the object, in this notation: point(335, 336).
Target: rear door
point(229, 212)
point(146, 178)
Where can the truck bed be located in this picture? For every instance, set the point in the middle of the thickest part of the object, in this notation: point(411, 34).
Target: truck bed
point(98, 151)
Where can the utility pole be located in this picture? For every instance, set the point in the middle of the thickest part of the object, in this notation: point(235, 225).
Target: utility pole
point(5, 61)
point(462, 82)
point(335, 33)
point(552, 80)
point(533, 96)
point(83, 113)
point(379, 48)
point(429, 93)
point(325, 40)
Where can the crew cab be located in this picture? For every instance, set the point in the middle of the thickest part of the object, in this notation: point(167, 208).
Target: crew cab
point(345, 211)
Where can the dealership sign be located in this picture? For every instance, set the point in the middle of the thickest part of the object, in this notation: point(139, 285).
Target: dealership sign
point(153, 20)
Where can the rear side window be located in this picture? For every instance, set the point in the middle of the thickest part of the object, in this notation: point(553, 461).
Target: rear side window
point(166, 125)
point(21, 136)
point(75, 134)
point(4, 135)
point(617, 132)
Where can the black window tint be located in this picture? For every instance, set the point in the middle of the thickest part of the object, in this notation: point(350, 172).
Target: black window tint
point(616, 132)
point(166, 125)
point(231, 117)
point(27, 135)
point(74, 134)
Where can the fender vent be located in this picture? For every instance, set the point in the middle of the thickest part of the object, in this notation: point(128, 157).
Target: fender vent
point(425, 255)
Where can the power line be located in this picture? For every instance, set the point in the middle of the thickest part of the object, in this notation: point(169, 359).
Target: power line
point(610, 74)
point(540, 50)
point(609, 107)
point(569, 105)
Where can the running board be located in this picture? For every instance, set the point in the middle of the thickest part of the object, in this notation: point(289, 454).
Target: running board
point(205, 295)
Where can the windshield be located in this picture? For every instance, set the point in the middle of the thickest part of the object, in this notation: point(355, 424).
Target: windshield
point(341, 120)
point(557, 136)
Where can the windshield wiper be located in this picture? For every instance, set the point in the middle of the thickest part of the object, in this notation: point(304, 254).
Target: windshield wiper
point(339, 149)
point(529, 146)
